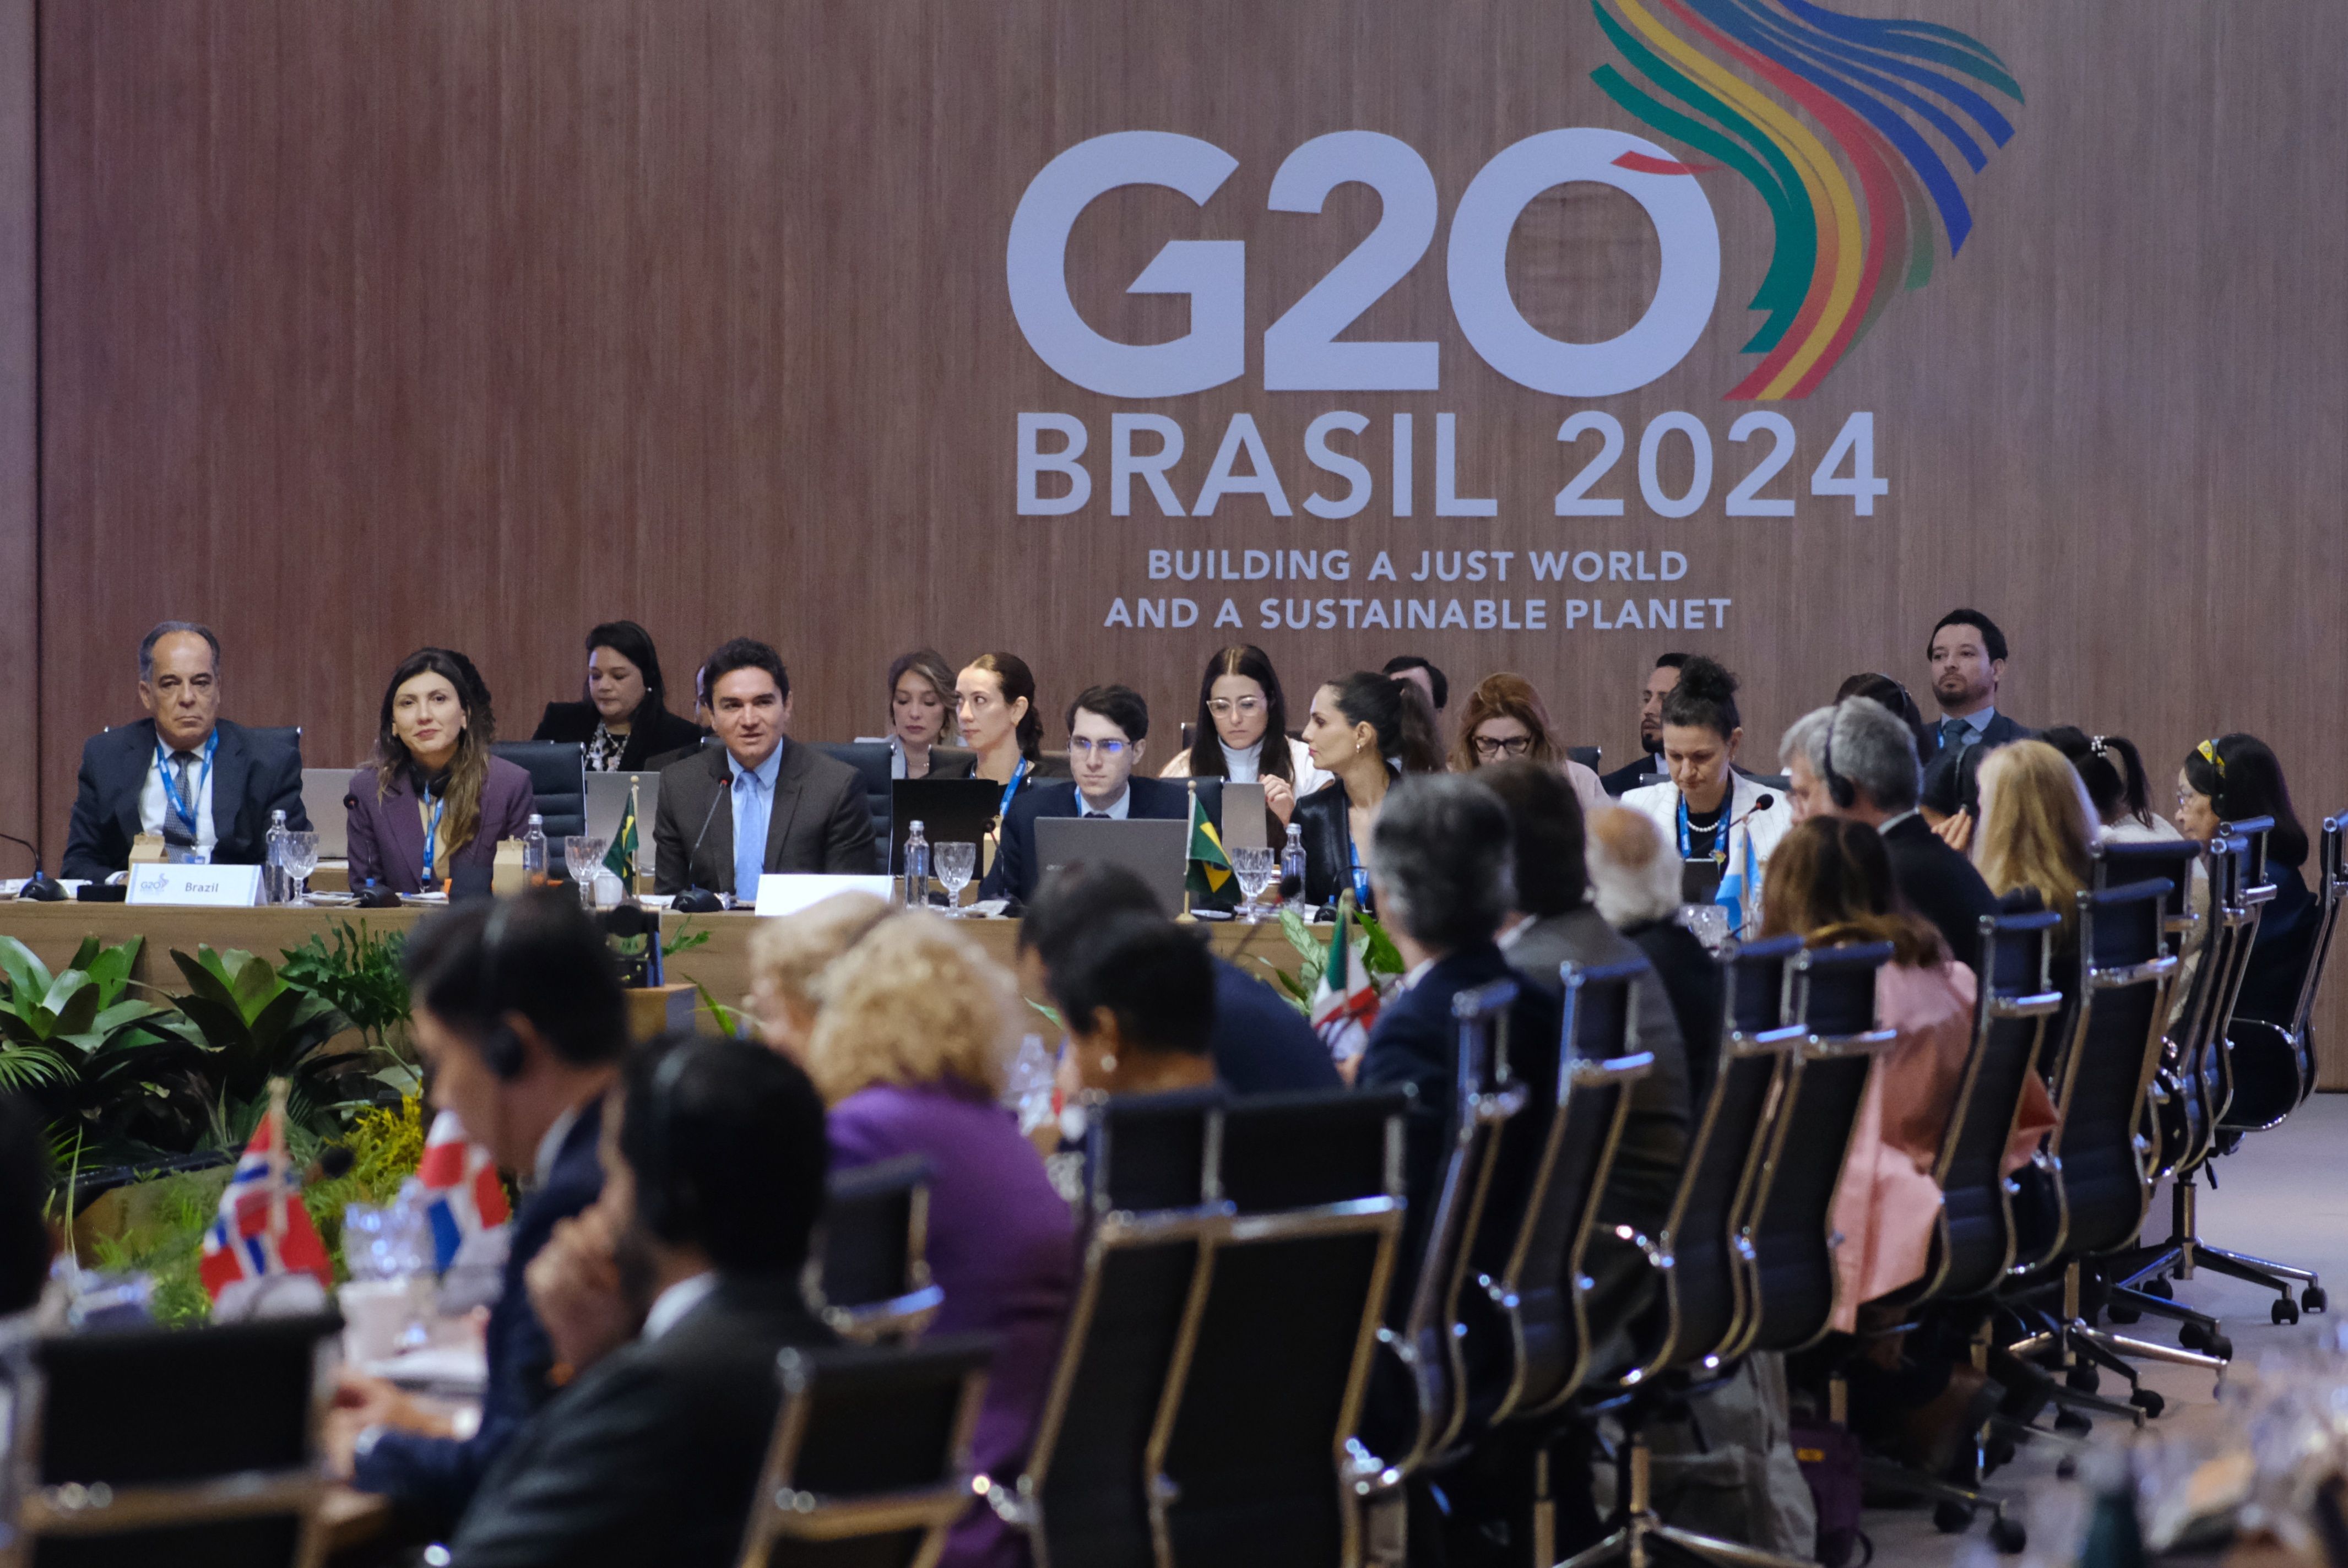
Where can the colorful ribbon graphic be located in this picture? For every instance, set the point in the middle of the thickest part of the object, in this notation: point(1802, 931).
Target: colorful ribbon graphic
point(1865, 84)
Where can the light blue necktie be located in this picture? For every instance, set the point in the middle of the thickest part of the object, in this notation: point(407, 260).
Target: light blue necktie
point(749, 836)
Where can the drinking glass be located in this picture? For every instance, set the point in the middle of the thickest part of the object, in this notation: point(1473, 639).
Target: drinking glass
point(1708, 921)
point(583, 856)
point(299, 854)
point(953, 865)
point(1255, 867)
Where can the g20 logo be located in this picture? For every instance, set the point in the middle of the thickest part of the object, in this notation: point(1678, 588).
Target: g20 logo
point(1300, 350)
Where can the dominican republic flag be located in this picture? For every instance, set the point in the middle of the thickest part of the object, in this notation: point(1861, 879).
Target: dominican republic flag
point(463, 1194)
point(263, 1228)
point(1346, 1003)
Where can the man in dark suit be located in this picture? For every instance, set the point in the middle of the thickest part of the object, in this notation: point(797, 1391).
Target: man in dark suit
point(757, 802)
point(1660, 681)
point(520, 1019)
point(1858, 759)
point(1967, 653)
point(672, 1299)
point(1108, 730)
point(206, 787)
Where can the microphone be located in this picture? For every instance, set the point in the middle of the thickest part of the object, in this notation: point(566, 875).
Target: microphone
point(1763, 804)
point(696, 899)
point(40, 887)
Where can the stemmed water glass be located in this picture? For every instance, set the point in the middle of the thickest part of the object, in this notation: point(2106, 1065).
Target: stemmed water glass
point(583, 853)
point(953, 865)
point(298, 852)
point(1254, 866)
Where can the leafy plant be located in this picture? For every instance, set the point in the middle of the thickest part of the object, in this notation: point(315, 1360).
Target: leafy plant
point(387, 1145)
point(1368, 938)
point(363, 975)
point(685, 940)
point(169, 1251)
point(115, 1076)
point(260, 1027)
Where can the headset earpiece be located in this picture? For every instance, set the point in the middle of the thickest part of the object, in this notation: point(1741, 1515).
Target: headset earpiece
point(1839, 790)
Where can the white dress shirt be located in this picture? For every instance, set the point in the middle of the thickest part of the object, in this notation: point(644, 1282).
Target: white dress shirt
point(1117, 810)
point(670, 1308)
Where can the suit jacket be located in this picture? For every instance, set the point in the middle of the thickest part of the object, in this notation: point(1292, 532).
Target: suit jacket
point(1698, 996)
point(1940, 885)
point(250, 779)
point(387, 832)
point(1260, 1044)
point(576, 721)
point(1626, 778)
point(1017, 868)
point(2000, 730)
point(652, 1455)
point(819, 820)
point(433, 1479)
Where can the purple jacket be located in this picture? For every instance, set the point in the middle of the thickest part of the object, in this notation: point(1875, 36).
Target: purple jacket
point(387, 835)
point(1002, 1245)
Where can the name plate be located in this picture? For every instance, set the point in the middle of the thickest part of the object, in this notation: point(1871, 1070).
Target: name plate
point(788, 892)
point(217, 887)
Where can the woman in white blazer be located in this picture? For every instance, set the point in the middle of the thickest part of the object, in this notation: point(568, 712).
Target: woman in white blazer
point(1706, 809)
point(1241, 733)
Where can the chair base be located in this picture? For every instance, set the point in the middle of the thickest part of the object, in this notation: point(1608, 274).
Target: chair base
point(1635, 1541)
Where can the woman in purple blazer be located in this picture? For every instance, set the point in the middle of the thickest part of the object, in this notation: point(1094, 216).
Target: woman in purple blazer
point(909, 1052)
point(433, 799)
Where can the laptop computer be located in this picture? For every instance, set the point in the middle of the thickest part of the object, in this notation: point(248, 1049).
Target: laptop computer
point(607, 804)
point(950, 812)
point(322, 789)
point(1153, 848)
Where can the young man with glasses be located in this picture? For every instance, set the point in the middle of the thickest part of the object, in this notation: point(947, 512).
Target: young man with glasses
point(1109, 729)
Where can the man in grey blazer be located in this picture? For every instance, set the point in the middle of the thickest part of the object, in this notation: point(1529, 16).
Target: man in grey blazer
point(757, 802)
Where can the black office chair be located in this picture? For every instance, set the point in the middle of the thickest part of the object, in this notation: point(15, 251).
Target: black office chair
point(1296, 1284)
point(868, 1277)
point(872, 760)
point(869, 1463)
point(2274, 1061)
point(558, 778)
point(194, 1446)
point(1083, 1498)
point(288, 735)
point(1587, 756)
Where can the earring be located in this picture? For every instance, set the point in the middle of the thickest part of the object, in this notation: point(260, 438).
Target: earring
point(1107, 1063)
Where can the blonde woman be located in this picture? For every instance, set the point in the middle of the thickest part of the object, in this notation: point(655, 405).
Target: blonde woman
point(2038, 828)
point(910, 1050)
point(788, 956)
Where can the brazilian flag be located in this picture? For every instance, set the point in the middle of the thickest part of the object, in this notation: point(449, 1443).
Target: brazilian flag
point(1208, 877)
point(620, 859)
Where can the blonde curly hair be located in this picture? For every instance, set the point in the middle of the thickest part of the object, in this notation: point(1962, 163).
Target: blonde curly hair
point(916, 1002)
point(788, 956)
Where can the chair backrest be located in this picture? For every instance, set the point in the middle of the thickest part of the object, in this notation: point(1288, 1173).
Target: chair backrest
point(1152, 1151)
point(2124, 982)
point(558, 781)
point(873, 762)
point(1756, 984)
point(870, 1461)
point(869, 1278)
point(1831, 996)
point(1527, 1274)
point(1974, 1241)
point(2331, 888)
point(183, 1446)
point(1587, 756)
point(2118, 863)
point(1294, 1293)
point(288, 735)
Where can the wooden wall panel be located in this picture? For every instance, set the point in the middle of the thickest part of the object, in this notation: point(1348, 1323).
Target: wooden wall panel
point(374, 325)
point(20, 557)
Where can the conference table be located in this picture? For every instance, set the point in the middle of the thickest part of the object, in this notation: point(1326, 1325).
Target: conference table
point(720, 965)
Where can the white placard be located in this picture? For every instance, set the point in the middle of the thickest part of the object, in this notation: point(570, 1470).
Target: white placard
point(788, 892)
point(216, 887)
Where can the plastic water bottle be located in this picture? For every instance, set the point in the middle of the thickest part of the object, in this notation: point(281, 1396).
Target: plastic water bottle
point(917, 868)
point(534, 851)
point(274, 883)
point(1292, 864)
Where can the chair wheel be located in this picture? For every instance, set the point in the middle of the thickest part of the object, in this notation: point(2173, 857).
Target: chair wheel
point(2119, 1314)
point(1952, 1518)
point(2160, 1287)
point(2067, 1468)
point(2313, 1298)
point(2073, 1423)
point(2148, 1401)
point(2007, 1535)
point(1997, 1453)
point(2285, 1311)
point(2220, 1346)
point(2084, 1378)
point(2193, 1337)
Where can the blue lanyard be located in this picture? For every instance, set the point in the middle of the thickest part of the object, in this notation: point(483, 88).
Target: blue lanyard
point(432, 832)
point(1018, 777)
point(185, 810)
point(1361, 875)
point(1719, 834)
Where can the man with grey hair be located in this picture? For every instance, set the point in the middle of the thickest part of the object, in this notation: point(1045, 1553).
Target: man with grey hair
point(1858, 759)
point(184, 775)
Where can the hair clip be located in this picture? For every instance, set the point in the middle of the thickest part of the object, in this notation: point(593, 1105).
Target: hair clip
point(2209, 751)
point(2096, 744)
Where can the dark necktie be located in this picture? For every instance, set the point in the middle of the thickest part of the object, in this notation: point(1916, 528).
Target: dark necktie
point(1096, 816)
point(183, 763)
point(1956, 734)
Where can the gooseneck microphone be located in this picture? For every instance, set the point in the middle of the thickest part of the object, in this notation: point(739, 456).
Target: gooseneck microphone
point(696, 899)
point(40, 887)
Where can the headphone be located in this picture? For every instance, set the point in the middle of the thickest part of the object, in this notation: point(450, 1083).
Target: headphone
point(501, 1048)
point(669, 1214)
point(1839, 790)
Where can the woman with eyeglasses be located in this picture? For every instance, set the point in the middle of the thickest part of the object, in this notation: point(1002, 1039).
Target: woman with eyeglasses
point(1505, 720)
point(2234, 778)
point(1242, 732)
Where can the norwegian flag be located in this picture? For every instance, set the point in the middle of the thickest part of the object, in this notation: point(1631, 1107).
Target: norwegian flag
point(1346, 1003)
point(263, 1228)
point(463, 1197)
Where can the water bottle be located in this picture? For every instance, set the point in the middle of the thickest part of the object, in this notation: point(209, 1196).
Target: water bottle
point(275, 885)
point(533, 853)
point(917, 868)
point(1292, 864)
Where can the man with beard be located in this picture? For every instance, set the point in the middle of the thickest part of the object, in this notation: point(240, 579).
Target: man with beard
point(1650, 760)
point(669, 1301)
point(1967, 653)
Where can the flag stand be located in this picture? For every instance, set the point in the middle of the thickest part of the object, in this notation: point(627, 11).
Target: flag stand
point(1191, 820)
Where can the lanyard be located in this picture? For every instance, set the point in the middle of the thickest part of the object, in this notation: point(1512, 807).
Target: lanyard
point(185, 810)
point(1719, 834)
point(1018, 777)
point(1361, 876)
point(432, 833)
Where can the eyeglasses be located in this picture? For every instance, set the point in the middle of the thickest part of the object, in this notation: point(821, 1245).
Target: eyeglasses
point(1246, 707)
point(1079, 746)
point(1513, 746)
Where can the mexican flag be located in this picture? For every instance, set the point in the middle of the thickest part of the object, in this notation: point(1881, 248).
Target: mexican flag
point(1346, 1003)
point(1208, 874)
point(620, 859)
